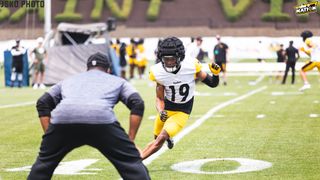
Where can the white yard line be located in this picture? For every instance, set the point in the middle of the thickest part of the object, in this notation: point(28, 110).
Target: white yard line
point(17, 105)
point(259, 79)
point(201, 120)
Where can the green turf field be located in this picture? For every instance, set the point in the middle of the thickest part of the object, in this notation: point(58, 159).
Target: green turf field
point(266, 60)
point(284, 135)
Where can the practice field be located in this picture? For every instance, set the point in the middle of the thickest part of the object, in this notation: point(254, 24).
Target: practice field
point(261, 130)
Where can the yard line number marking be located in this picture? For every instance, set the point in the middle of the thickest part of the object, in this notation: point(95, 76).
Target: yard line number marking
point(246, 165)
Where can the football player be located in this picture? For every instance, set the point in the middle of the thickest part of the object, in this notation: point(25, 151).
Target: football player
point(313, 50)
point(175, 77)
point(132, 54)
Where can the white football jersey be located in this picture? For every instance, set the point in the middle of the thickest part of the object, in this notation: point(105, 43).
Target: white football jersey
point(179, 87)
point(314, 50)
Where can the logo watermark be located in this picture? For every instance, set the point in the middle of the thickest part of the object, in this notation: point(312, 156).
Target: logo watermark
point(306, 8)
point(21, 3)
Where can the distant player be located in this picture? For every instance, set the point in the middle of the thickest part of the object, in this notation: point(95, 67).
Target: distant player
point(132, 54)
point(220, 56)
point(17, 52)
point(141, 58)
point(40, 55)
point(312, 49)
point(292, 55)
point(175, 77)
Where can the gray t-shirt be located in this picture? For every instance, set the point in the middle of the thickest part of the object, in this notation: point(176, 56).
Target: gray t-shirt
point(89, 98)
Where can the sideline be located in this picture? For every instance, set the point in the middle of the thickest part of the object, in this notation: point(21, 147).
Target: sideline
point(17, 105)
point(201, 120)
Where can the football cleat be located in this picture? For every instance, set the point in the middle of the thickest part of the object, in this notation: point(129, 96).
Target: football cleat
point(304, 87)
point(170, 143)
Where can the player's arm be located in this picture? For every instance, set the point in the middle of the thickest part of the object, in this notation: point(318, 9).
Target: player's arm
point(298, 54)
point(160, 102)
point(45, 55)
point(134, 102)
point(211, 81)
point(213, 56)
point(136, 106)
point(227, 52)
point(306, 50)
point(30, 54)
point(159, 97)
point(46, 103)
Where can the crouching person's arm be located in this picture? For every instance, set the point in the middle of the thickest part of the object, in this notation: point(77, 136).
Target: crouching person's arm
point(46, 103)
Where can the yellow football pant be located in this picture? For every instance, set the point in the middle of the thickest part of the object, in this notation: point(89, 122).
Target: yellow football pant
point(310, 65)
point(175, 122)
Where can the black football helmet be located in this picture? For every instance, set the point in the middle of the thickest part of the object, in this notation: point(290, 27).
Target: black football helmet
point(170, 53)
point(306, 34)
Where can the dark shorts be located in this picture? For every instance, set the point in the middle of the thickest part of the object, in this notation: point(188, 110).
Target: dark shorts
point(39, 67)
point(223, 66)
point(17, 69)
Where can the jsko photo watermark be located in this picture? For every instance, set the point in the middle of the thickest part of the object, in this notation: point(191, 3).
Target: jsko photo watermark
point(21, 3)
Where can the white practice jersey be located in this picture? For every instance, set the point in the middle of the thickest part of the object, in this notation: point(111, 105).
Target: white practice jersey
point(313, 51)
point(179, 87)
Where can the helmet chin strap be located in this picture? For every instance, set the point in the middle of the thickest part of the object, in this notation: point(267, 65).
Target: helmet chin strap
point(173, 69)
point(170, 69)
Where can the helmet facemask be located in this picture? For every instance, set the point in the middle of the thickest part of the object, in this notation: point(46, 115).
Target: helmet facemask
point(170, 63)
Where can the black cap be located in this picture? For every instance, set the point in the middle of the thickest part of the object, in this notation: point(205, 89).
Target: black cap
point(98, 60)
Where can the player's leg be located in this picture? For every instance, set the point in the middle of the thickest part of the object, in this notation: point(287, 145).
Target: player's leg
point(160, 137)
point(293, 69)
point(224, 73)
point(131, 68)
point(175, 123)
point(42, 86)
point(155, 145)
point(307, 67)
point(36, 78)
point(285, 73)
point(20, 78)
point(123, 72)
point(317, 64)
point(13, 76)
point(113, 142)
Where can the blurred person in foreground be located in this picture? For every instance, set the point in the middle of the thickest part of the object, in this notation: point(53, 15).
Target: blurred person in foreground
point(40, 55)
point(220, 56)
point(292, 55)
point(196, 51)
point(79, 111)
point(175, 77)
point(17, 52)
point(312, 49)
